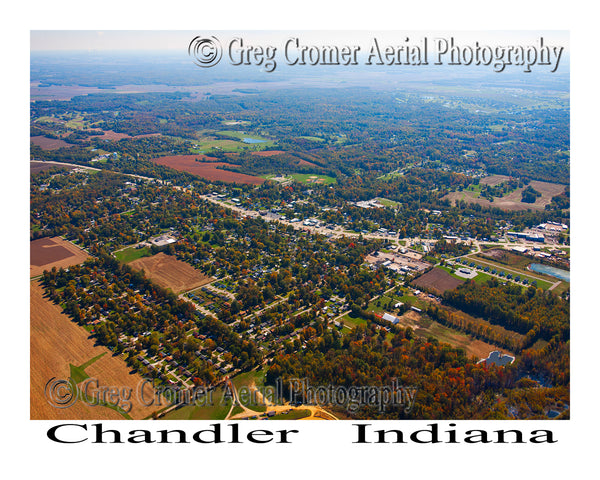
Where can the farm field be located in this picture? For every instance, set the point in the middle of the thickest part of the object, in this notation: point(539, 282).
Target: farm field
point(57, 345)
point(209, 171)
point(37, 167)
point(46, 143)
point(511, 201)
point(168, 272)
point(494, 180)
point(437, 280)
point(46, 253)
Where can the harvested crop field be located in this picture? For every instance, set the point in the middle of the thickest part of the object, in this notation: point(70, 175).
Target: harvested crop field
point(207, 170)
point(56, 343)
point(46, 143)
point(168, 272)
point(46, 253)
point(437, 280)
point(494, 180)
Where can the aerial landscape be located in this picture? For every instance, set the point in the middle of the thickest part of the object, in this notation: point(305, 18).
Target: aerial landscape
point(326, 243)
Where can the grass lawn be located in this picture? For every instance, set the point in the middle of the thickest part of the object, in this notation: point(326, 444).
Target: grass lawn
point(513, 270)
point(414, 301)
point(561, 287)
point(237, 409)
point(388, 203)
point(130, 254)
point(353, 322)
point(384, 301)
point(76, 123)
point(225, 145)
point(212, 407)
point(482, 277)
point(241, 135)
point(245, 382)
point(474, 188)
point(293, 415)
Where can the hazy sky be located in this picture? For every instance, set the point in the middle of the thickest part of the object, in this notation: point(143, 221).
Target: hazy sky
point(174, 40)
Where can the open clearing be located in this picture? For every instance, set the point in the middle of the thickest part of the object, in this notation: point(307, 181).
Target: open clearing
point(511, 201)
point(168, 272)
point(207, 170)
point(46, 143)
point(426, 327)
point(56, 343)
point(437, 280)
point(46, 253)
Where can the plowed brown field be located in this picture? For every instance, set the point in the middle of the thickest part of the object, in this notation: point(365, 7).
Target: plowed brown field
point(437, 280)
point(207, 170)
point(168, 272)
point(46, 253)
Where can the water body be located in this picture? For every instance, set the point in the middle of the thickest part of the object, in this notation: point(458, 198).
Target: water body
point(552, 271)
point(252, 140)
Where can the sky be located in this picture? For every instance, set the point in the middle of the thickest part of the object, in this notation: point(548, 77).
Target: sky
point(47, 40)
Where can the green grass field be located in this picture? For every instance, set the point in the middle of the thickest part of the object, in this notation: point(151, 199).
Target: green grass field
point(310, 178)
point(130, 254)
point(314, 139)
point(240, 135)
point(213, 407)
point(75, 123)
point(353, 322)
point(78, 374)
point(293, 415)
point(388, 203)
point(224, 145)
point(244, 384)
